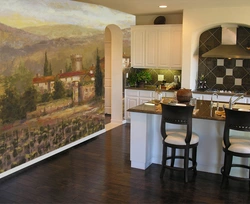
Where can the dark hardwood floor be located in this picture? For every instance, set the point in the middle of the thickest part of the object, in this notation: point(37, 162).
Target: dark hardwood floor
point(98, 171)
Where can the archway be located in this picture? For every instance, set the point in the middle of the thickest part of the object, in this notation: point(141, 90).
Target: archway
point(113, 73)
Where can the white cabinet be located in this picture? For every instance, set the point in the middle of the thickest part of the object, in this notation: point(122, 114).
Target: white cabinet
point(151, 44)
point(136, 97)
point(221, 98)
point(131, 100)
point(137, 46)
point(164, 47)
point(175, 55)
point(145, 96)
point(130, 103)
point(158, 46)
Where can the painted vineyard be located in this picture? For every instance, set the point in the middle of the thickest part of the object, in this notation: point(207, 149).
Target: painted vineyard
point(22, 144)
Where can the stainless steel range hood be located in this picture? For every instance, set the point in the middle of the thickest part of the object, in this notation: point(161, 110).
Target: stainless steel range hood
point(228, 47)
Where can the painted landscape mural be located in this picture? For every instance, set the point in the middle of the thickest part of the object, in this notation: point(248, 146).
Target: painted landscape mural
point(51, 75)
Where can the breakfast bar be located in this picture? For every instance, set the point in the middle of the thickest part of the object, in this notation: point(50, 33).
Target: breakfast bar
point(146, 140)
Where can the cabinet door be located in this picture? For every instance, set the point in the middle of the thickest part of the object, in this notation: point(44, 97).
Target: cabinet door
point(164, 47)
point(130, 103)
point(156, 46)
point(137, 47)
point(145, 96)
point(131, 100)
point(151, 47)
point(176, 46)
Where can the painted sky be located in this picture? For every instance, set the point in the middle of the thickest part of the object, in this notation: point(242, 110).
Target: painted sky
point(27, 13)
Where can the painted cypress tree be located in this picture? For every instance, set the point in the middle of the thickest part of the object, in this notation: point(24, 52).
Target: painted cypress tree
point(50, 70)
point(46, 66)
point(98, 77)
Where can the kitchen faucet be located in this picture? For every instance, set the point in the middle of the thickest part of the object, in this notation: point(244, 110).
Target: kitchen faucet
point(212, 101)
point(231, 102)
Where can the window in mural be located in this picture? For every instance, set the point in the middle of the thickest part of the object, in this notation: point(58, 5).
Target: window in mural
point(51, 75)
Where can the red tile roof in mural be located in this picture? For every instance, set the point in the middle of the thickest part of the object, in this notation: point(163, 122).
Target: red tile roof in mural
point(71, 74)
point(43, 79)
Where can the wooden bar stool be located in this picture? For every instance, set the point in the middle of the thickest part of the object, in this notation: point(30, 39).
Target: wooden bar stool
point(235, 146)
point(183, 139)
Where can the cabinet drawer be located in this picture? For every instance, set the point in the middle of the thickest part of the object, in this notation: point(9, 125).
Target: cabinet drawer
point(133, 93)
point(146, 94)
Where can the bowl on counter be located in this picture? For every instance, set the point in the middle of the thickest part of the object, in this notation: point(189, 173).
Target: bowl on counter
point(184, 95)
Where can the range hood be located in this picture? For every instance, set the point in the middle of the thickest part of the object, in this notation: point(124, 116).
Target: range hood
point(228, 47)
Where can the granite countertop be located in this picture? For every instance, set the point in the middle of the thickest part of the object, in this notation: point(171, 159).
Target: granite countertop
point(202, 110)
point(149, 88)
point(220, 93)
point(152, 88)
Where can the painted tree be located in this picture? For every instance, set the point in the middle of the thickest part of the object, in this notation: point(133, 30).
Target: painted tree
point(28, 101)
point(46, 96)
point(59, 89)
point(46, 66)
point(50, 70)
point(21, 79)
point(98, 77)
point(19, 97)
point(10, 108)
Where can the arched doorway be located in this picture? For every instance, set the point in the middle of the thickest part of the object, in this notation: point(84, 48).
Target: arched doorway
point(113, 73)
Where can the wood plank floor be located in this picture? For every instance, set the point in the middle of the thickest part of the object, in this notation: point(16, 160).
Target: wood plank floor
point(98, 171)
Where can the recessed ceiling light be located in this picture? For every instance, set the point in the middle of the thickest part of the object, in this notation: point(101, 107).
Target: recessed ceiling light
point(163, 6)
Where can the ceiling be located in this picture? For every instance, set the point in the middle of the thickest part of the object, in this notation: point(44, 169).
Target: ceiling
point(150, 7)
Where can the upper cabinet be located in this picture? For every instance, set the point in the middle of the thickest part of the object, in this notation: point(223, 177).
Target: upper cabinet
point(158, 46)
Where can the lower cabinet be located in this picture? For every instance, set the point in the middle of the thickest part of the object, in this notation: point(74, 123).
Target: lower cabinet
point(136, 97)
point(220, 98)
point(129, 103)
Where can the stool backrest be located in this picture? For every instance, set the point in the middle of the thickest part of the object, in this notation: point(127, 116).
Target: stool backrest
point(175, 114)
point(235, 120)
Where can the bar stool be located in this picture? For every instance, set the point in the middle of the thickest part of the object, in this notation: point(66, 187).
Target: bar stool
point(184, 139)
point(235, 146)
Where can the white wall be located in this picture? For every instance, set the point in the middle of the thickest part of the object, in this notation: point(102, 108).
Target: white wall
point(196, 21)
point(107, 82)
point(113, 78)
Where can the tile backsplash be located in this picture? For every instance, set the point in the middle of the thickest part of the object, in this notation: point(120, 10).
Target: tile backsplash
point(168, 74)
point(224, 74)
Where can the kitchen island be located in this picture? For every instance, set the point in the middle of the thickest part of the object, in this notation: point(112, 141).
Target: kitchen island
point(135, 96)
point(146, 140)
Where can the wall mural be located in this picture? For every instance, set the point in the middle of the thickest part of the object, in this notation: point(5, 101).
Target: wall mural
point(51, 74)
